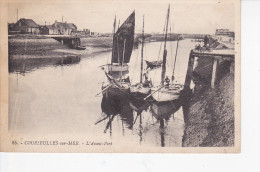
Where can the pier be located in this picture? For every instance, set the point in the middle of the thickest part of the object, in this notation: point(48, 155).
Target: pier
point(216, 56)
point(70, 41)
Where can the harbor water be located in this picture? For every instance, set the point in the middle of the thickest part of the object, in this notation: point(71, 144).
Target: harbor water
point(62, 99)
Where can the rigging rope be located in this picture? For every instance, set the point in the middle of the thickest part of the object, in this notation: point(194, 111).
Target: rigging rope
point(164, 29)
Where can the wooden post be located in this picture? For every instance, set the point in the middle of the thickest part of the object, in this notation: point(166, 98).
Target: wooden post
point(196, 62)
point(73, 43)
point(189, 71)
point(214, 72)
point(79, 42)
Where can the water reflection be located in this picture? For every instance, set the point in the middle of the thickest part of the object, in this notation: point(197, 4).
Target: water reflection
point(125, 107)
point(139, 106)
point(24, 65)
point(113, 106)
point(62, 99)
point(163, 112)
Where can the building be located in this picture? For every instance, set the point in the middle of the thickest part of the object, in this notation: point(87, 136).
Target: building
point(11, 28)
point(59, 28)
point(225, 32)
point(225, 35)
point(48, 30)
point(84, 32)
point(94, 34)
point(63, 28)
point(25, 26)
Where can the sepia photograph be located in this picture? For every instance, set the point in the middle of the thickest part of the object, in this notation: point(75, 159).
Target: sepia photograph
point(121, 76)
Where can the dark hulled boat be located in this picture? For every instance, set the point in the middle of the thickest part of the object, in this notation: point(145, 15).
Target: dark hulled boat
point(123, 42)
point(117, 87)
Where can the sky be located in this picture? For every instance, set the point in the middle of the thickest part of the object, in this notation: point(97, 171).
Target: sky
point(198, 18)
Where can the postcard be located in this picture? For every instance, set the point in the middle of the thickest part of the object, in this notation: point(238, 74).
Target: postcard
point(120, 76)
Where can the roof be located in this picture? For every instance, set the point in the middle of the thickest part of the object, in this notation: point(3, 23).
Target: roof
point(71, 25)
point(50, 27)
point(64, 25)
point(29, 22)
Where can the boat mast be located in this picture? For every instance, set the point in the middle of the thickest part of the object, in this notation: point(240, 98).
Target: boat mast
point(175, 59)
point(113, 38)
point(142, 53)
point(118, 24)
point(122, 61)
point(165, 51)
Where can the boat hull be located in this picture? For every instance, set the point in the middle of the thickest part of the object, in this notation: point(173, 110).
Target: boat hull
point(153, 64)
point(116, 92)
point(138, 105)
point(172, 92)
point(140, 89)
point(164, 96)
point(162, 111)
point(139, 92)
point(117, 67)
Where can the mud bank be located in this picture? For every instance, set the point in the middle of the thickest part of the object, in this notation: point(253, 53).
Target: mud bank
point(28, 53)
point(209, 117)
point(49, 47)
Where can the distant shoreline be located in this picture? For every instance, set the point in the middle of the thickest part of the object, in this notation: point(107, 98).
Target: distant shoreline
point(32, 53)
point(37, 47)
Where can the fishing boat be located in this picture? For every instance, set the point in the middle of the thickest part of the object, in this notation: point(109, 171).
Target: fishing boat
point(167, 91)
point(141, 89)
point(121, 53)
point(116, 88)
point(153, 64)
point(123, 42)
point(167, 94)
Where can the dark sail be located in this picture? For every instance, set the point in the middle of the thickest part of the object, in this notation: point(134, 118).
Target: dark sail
point(123, 41)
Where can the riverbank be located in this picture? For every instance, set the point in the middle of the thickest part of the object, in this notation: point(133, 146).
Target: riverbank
point(27, 52)
point(46, 46)
point(209, 120)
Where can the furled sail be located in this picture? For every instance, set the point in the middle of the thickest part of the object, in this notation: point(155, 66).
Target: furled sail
point(123, 41)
